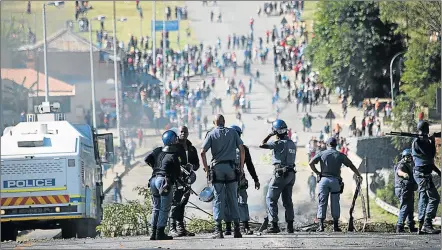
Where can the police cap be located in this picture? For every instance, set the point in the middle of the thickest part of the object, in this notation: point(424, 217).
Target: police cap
point(332, 142)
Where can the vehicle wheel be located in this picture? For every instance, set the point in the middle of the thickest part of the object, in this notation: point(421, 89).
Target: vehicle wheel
point(92, 228)
point(82, 228)
point(87, 228)
point(9, 232)
point(68, 230)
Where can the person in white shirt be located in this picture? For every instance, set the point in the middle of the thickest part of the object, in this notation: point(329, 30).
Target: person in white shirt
point(295, 138)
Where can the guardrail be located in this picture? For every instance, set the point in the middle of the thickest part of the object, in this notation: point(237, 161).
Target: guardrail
point(394, 210)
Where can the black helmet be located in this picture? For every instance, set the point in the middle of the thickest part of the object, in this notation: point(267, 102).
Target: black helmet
point(423, 127)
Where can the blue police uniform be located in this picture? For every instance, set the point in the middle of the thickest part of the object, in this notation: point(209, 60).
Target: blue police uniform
point(281, 184)
point(223, 143)
point(243, 184)
point(330, 181)
point(423, 152)
point(404, 190)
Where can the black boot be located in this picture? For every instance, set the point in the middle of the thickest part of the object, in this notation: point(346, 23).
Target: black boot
point(421, 225)
point(400, 229)
point(246, 226)
point(412, 228)
point(181, 229)
point(153, 234)
point(274, 229)
point(336, 226)
point(228, 228)
point(237, 231)
point(428, 228)
point(218, 234)
point(161, 235)
point(321, 226)
point(290, 228)
point(173, 230)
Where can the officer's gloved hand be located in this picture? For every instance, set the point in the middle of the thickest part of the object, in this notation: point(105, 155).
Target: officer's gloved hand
point(272, 133)
point(359, 178)
point(406, 176)
point(257, 185)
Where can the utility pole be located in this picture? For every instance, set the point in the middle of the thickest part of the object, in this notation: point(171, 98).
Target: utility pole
point(154, 32)
point(117, 92)
point(91, 54)
point(45, 54)
point(391, 77)
point(164, 61)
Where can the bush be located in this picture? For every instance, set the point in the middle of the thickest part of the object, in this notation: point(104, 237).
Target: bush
point(131, 218)
point(198, 225)
point(387, 193)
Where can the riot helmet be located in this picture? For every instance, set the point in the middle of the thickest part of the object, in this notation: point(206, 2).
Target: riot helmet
point(169, 138)
point(279, 127)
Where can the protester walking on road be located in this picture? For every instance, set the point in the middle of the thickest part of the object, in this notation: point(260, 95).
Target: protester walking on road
point(312, 186)
point(117, 188)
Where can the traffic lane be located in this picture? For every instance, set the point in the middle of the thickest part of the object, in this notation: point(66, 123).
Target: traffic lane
point(236, 20)
point(296, 240)
point(294, 121)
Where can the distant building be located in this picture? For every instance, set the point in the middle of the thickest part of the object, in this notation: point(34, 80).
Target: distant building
point(69, 61)
point(24, 88)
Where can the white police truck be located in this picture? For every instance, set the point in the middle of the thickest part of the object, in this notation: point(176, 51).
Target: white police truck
point(51, 175)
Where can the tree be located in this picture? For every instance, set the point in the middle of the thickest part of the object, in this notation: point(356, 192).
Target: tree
point(419, 20)
point(11, 38)
point(352, 47)
point(419, 17)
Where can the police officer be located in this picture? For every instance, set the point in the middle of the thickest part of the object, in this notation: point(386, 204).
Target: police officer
point(181, 192)
point(404, 187)
point(330, 181)
point(223, 143)
point(242, 190)
point(424, 150)
point(166, 162)
point(281, 184)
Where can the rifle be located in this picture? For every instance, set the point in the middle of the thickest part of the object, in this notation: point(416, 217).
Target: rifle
point(351, 226)
point(187, 186)
point(405, 134)
point(264, 225)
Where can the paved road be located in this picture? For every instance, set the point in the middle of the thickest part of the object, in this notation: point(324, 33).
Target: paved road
point(236, 19)
point(281, 241)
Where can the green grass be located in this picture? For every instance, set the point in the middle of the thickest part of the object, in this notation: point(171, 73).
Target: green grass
point(380, 215)
point(377, 214)
point(308, 14)
point(56, 18)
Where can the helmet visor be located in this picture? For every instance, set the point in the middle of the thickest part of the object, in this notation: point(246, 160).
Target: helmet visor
point(281, 131)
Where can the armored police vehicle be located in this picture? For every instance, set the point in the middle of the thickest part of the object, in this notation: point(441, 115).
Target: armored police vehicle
point(51, 175)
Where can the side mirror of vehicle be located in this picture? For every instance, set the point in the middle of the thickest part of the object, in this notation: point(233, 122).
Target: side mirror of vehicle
point(105, 148)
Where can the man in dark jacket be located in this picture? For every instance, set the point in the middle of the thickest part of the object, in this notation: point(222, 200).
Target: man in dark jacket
point(423, 150)
point(181, 193)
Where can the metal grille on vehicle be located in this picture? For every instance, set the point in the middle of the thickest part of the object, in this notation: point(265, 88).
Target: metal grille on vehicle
point(32, 167)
